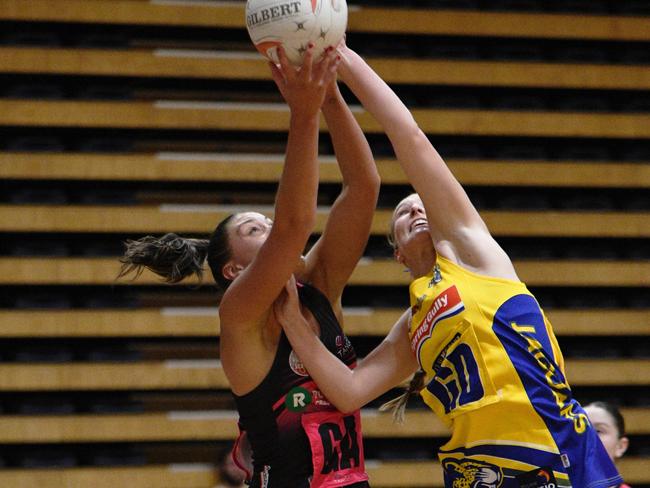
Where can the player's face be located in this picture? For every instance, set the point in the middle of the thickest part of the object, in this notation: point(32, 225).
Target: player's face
point(248, 231)
point(410, 225)
point(607, 431)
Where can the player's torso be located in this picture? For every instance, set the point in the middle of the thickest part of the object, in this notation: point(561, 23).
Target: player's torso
point(454, 340)
point(489, 353)
point(298, 437)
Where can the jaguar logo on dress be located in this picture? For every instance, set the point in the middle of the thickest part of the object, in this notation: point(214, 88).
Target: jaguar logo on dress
point(467, 473)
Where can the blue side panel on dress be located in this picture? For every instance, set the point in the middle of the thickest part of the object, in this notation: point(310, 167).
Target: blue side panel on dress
point(519, 325)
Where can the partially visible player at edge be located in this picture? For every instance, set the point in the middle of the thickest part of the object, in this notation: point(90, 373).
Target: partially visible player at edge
point(608, 421)
point(298, 438)
point(494, 372)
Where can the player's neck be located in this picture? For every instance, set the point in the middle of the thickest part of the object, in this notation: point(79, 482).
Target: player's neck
point(422, 265)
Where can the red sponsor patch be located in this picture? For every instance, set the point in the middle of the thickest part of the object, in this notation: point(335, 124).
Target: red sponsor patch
point(445, 305)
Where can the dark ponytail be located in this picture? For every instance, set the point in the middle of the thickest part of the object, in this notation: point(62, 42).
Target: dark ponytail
point(398, 405)
point(170, 256)
point(176, 258)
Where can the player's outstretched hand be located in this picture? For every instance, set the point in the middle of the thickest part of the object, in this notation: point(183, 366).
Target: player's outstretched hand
point(304, 88)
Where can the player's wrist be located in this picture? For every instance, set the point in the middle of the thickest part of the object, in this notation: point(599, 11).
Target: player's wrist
point(304, 117)
point(333, 101)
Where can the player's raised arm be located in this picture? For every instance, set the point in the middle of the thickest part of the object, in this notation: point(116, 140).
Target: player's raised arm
point(335, 255)
point(295, 206)
point(457, 230)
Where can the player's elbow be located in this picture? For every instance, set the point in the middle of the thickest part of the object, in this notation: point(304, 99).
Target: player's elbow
point(304, 221)
point(407, 135)
point(347, 407)
point(348, 402)
point(364, 195)
point(374, 184)
point(416, 136)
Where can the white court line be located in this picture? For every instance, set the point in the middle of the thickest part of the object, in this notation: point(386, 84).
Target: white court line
point(358, 311)
point(192, 363)
point(206, 54)
point(201, 208)
point(225, 157)
point(222, 3)
point(189, 311)
point(190, 467)
point(201, 415)
point(205, 3)
point(198, 105)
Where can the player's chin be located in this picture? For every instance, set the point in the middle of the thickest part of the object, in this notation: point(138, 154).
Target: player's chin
point(421, 231)
point(419, 236)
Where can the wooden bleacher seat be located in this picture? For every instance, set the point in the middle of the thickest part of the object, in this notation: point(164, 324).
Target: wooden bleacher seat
point(361, 19)
point(271, 117)
point(204, 321)
point(153, 476)
point(103, 271)
point(145, 427)
point(214, 425)
point(383, 474)
point(205, 374)
point(209, 167)
point(143, 375)
point(245, 66)
point(203, 218)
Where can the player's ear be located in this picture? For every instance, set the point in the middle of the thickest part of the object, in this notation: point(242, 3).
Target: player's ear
point(231, 270)
point(399, 257)
point(621, 446)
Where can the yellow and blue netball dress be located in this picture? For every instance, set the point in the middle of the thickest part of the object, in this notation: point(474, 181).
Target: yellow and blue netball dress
point(496, 377)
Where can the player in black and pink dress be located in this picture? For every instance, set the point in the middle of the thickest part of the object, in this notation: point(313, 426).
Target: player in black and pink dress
point(297, 435)
point(298, 438)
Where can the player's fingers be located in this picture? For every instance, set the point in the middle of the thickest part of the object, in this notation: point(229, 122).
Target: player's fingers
point(285, 65)
point(277, 75)
point(279, 79)
point(341, 49)
point(330, 65)
point(286, 301)
point(291, 282)
point(307, 62)
point(292, 290)
point(321, 66)
point(341, 43)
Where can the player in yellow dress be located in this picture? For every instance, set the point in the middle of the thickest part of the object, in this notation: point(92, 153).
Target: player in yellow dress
point(494, 373)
